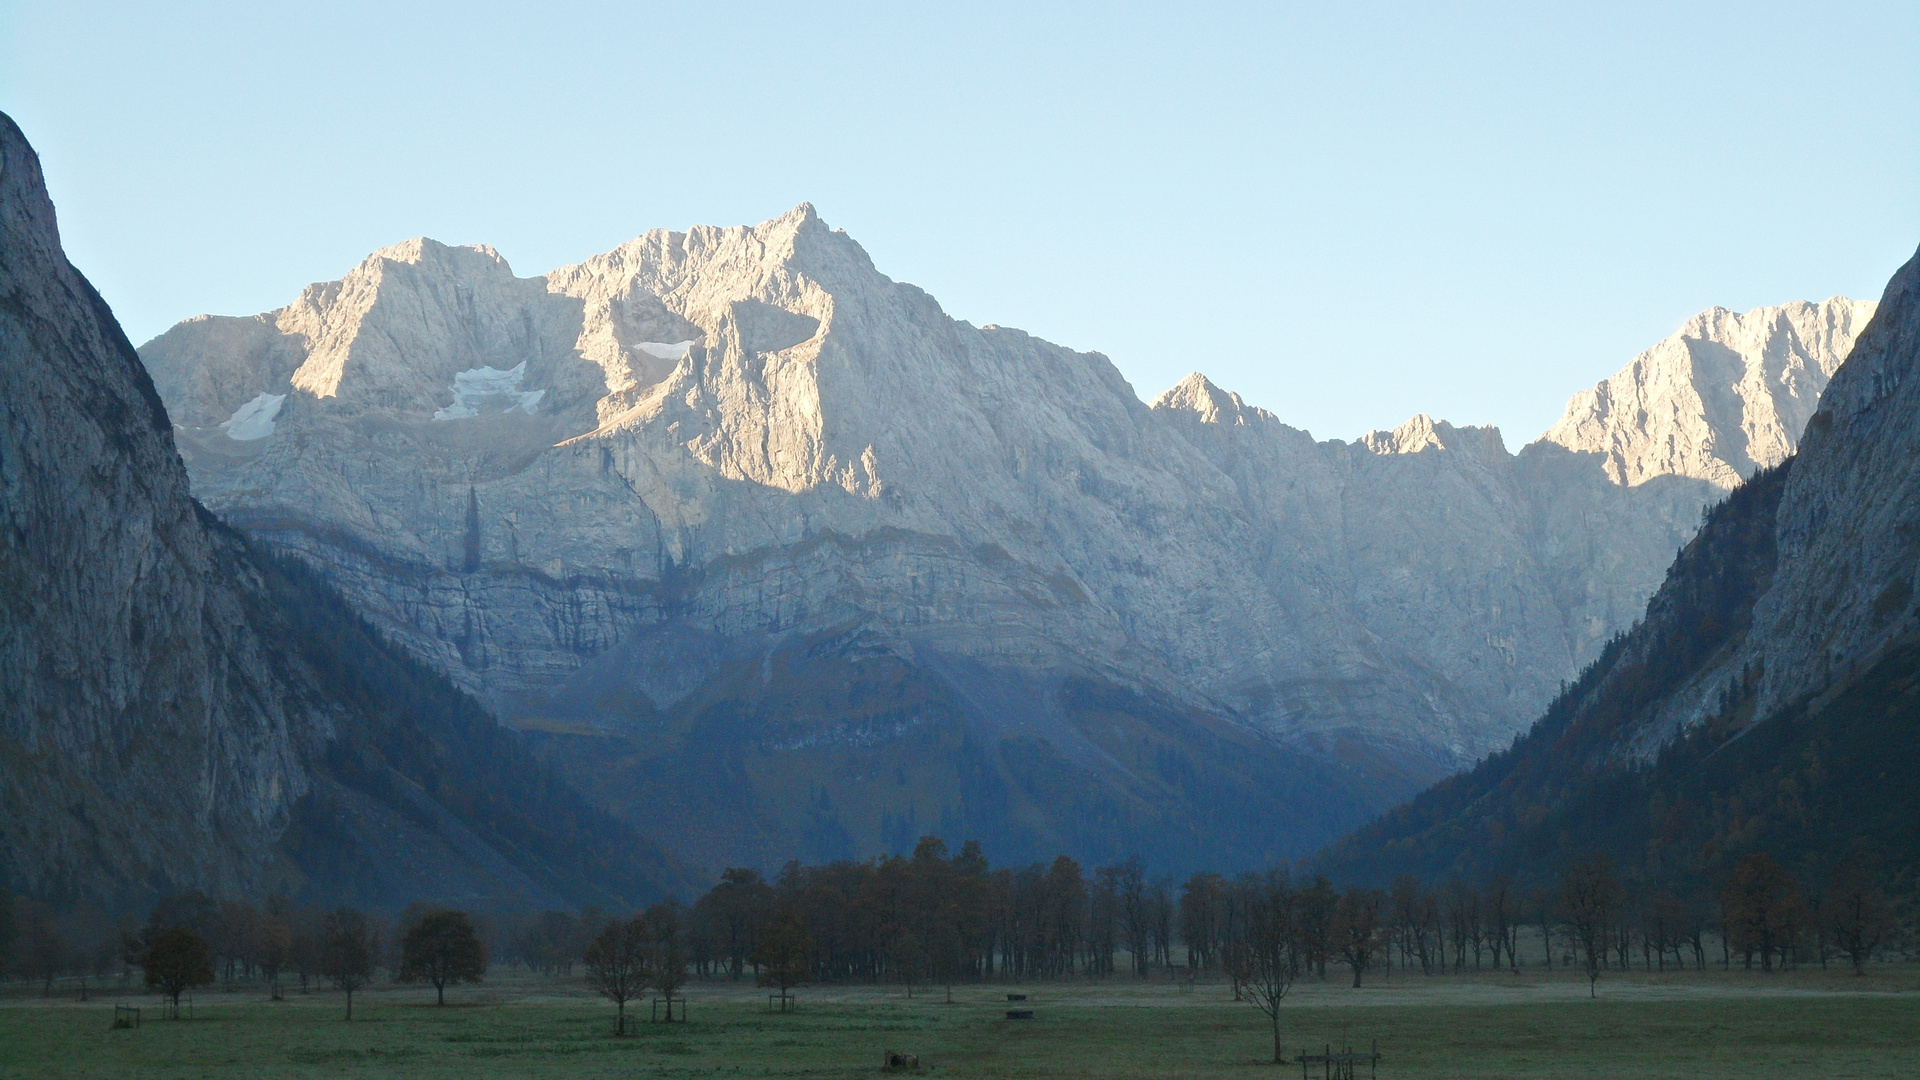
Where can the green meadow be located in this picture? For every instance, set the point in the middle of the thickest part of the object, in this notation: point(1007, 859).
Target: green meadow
point(1712, 1024)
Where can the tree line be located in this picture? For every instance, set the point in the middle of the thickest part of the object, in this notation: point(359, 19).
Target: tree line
point(934, 918)
point(192, 940)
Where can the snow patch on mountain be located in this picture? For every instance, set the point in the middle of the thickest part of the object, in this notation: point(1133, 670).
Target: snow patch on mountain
point(489, 388)
point(664, 351)
point(254, 420)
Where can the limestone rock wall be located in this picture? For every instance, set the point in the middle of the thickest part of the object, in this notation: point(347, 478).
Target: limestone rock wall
point(144, 733)
point(750, 433)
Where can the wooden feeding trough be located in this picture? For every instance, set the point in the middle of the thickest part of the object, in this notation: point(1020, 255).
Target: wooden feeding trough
point(1340, 1066)
point(1019, 1014)
point(1016, 997)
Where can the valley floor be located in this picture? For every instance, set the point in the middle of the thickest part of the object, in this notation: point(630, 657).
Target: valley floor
point(1697, 1024)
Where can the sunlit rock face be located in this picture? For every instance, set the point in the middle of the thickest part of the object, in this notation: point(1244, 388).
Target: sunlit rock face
point(1726, 395)
point(586, 493)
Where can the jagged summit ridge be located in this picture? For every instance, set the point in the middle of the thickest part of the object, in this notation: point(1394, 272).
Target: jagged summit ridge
point(1727, 394)
point(748, 435)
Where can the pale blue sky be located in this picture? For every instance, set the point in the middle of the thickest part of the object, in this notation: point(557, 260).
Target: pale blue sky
point(1346, 213)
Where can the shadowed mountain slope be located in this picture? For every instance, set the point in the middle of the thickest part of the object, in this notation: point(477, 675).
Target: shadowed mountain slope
point(180, 709)
point(1770, 698)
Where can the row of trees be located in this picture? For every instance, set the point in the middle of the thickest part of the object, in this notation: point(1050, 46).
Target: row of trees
point(192, 940)
point(1760, 914)
point(934, 918)
point(931, 917)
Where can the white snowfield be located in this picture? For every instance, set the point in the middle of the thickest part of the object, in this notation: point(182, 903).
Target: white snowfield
point(254, 420)
point(489, 388)
point(676, 351)
point(822, 451)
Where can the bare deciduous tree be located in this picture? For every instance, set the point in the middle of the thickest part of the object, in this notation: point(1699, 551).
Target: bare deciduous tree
point(1858, 914)
point(781, 950)
point(1589, 899)
point(1274, 953)
point(1761, 910)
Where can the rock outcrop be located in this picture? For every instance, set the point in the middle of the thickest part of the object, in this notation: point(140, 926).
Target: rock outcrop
point(179, 709)
point(588, 496)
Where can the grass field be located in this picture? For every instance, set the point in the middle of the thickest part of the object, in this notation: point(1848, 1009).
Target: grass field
point(1733, 1025)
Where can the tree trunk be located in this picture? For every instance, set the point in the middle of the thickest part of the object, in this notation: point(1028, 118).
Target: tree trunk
point(1277, 1059)
point(176, 1006)
point(439, 992)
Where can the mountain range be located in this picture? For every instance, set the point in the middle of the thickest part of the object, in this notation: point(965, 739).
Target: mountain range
point(772, 558)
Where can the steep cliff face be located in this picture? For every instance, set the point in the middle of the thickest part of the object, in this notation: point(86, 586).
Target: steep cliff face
point(170, 713)
point(1766, 702)
point(127, 673)
point(592, 496)
point(1849, 530)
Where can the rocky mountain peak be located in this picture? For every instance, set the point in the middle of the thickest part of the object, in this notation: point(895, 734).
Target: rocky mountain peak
point(1849, 522)
point(1198, 397)
point(1423, 432)
point(25, 211)
point(1727, 394)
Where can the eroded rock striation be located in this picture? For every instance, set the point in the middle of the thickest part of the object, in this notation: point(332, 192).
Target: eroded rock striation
point(596, 498)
